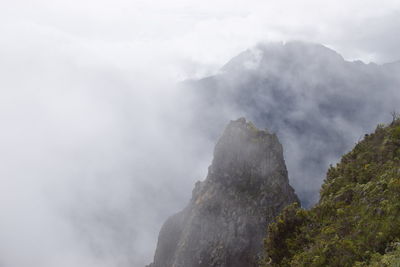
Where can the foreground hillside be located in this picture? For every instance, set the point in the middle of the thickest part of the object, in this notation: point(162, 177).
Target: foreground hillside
point(357, 219)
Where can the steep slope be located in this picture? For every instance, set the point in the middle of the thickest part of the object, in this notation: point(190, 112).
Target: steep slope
point(318, 103)
point(356, 221)
point(226, 219)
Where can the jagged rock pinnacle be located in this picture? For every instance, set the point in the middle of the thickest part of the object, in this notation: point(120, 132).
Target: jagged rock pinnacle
point(227, 217)
point(244, 150)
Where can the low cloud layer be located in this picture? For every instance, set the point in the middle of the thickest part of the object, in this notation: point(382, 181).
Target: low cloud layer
point(91, 155)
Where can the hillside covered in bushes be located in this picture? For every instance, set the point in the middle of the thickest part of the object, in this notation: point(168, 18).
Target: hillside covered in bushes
point(357, 219)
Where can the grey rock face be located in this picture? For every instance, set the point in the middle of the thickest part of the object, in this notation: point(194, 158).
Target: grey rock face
point(227, 217)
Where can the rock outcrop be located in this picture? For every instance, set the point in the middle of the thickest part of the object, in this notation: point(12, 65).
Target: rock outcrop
point(226, 220)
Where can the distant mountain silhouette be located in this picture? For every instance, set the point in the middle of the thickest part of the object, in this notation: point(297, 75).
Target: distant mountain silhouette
point(318, 103)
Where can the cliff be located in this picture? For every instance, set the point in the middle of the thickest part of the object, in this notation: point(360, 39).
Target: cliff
point(227, 217)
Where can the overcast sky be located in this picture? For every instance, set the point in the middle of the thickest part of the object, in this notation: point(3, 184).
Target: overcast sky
point(91, 165)
point(200, 35)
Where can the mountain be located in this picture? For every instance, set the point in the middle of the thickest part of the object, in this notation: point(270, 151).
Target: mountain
point(227, 217)
point(318, 103)
point(356, 221)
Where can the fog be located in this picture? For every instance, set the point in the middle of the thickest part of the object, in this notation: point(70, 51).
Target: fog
point(97, 141)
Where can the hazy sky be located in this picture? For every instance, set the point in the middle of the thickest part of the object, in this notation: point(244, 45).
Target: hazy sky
point(92, 155)
point(198, 35)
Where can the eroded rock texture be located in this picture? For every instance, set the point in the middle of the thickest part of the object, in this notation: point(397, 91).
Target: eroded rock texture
point(226, 220)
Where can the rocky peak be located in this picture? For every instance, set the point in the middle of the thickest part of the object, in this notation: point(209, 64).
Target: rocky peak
point(227, 217)
point(283, 56)
point(244, 150)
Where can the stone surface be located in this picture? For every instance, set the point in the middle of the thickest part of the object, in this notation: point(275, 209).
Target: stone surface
point(226, 220)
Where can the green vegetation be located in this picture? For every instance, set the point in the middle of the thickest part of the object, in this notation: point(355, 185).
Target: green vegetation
point(357, 220)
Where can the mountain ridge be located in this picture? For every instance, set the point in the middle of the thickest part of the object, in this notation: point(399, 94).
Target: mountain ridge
point(318, 103)
point(355, 222)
